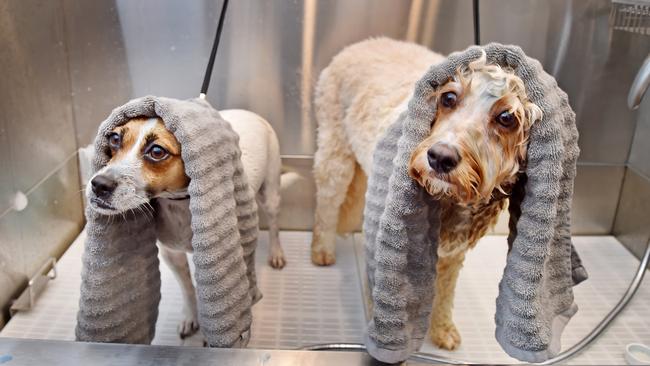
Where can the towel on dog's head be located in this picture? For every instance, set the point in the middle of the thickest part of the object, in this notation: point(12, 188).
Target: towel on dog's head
point(120, 288)
point(401, 224)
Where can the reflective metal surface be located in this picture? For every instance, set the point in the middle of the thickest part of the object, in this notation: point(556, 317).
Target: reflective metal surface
point(298, 194)
point(594, 205)
point(640, 151)
point(595, 197)
point(446, 25)
point(37, 142)
point(35, 95)
point(269, 58)
point(428, 358)
point(20, 352)
point(99, 78)
point(594, 64)
point(49, 223)
point(6, 181)
point(632, 226)
point(271, 55)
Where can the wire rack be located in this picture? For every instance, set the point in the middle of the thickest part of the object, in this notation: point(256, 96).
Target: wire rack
point(630, 16)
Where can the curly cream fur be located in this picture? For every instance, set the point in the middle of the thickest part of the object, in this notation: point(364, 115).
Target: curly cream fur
point(357, 97)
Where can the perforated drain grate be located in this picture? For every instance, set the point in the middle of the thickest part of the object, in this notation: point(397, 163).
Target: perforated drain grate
point(304, 304)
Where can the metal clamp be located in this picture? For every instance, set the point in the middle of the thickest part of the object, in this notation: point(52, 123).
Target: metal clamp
point(35, 287)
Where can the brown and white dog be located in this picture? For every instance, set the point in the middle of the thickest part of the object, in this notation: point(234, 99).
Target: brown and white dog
point(476, 148)
point(146, 174)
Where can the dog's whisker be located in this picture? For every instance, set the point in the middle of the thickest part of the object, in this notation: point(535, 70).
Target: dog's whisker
point(142, 209)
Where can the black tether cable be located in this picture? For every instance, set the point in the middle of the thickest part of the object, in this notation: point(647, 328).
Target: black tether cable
point(213, 54)
point(477, 29)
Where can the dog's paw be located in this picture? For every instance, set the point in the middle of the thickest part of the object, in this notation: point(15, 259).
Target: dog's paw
point(188, 326)
point(445, 336)
point(276, 255)
point(277, 260)
point(322, 257)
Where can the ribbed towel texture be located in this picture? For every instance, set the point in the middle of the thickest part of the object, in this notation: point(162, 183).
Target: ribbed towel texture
point(120, 289)
point(401, 224)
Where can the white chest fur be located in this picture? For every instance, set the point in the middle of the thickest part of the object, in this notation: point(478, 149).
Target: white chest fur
point(173, 223)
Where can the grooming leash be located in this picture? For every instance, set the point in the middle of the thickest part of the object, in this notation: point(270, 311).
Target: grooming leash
point(213, 53)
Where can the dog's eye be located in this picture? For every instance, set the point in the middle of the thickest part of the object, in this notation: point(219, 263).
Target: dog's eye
point(506, 119)
point(448, 99)
point(157, 153)
point(114, 140)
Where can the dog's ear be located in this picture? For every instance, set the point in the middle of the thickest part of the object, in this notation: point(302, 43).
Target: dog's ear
point(533, 112)
point(517, 193)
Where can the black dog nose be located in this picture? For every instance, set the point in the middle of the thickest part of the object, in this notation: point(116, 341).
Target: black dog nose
point(443, 158)
point(103, 186)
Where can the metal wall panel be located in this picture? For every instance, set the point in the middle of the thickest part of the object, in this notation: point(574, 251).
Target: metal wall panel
point(12, 277)
point(640, 151)
point(593, 208)
point(446, 25)
point(6, 181)
point(271, 55)
point(99, 77)
point(49, 223)
point(596, 194)
point(592, 63)
point(269, 58)
point(632, 225)
point(38, 148)
point(35, 95)
point(53, 218)
point(298, 195)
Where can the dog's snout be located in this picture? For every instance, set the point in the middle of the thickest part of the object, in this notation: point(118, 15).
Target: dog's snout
point(443, 158)
point(103, 186)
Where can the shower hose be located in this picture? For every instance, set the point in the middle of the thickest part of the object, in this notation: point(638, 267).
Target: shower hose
point(575, 349)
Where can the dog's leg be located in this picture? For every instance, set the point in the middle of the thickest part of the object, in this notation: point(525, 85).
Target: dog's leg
point(269, 200)
point(177, 261)
point(334, 166)
point(333, 172)
point(442, 331)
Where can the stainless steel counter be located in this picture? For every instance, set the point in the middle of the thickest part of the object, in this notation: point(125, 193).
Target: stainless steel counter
point(29, 352)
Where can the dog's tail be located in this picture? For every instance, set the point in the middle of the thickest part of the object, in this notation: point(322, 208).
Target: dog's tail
point(351, 211)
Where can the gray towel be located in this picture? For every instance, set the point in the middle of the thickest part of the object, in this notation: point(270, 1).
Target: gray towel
point(402, 224)
point(120, 288)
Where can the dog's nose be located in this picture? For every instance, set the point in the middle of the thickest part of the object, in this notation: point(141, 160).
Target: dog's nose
point(103, 186)
point(443, 158)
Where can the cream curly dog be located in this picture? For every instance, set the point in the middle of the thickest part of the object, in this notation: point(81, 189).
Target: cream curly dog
point(475, 150)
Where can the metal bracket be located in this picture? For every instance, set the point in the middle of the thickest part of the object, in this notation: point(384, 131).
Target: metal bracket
point(35, 287)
